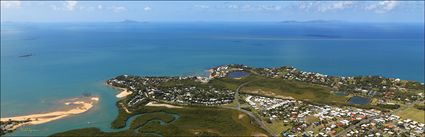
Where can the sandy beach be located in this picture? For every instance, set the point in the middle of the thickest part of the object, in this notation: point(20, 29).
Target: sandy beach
point(155, 104)
point(124, 92)
point(76, 106)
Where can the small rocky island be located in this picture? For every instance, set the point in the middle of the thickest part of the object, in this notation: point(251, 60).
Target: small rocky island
point(281, 101)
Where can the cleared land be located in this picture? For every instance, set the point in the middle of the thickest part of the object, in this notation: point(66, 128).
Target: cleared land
point(281, 88)
point(413, 114)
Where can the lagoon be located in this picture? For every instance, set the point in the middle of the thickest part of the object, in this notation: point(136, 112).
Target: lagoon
point(357, 100)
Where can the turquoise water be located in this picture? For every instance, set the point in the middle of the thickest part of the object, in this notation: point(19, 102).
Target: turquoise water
point(74, 58)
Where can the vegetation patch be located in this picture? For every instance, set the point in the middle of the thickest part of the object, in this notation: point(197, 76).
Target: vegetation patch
point(413, 114)
point(389, 106)
point(145, 118)
point(287, 88)
point(420, 106)
point(192, 121)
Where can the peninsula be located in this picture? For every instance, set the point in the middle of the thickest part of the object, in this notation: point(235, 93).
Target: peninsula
point(283, 101)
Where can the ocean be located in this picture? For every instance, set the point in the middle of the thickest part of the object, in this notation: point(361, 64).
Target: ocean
point(69, 59)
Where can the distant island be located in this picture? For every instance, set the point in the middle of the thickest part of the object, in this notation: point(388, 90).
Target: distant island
point(132, 21)
point(238, 100)
point(25, 55)
point(312, 21)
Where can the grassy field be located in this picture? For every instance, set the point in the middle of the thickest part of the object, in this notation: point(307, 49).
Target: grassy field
point(282, 88)
point(298, 90)
point(312, 119)
point(276, 127)
point(192, 121)
point(412, 113)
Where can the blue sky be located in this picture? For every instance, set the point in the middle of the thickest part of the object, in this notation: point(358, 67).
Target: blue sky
point(106, 11)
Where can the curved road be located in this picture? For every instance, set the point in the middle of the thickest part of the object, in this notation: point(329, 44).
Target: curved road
point(238, 107)
point(237, 93)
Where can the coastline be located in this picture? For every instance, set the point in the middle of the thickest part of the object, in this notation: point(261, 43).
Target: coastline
point(156, 104)
point(123, 92)
point(78, 106)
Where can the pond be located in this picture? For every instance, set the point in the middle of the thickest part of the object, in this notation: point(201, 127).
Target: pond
point(358, 100)
point(341, 93)
point(238, 74)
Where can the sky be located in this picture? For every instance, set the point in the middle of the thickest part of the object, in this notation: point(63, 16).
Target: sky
point(214, 11)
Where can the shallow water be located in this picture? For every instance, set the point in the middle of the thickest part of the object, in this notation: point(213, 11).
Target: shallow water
point(358, 100)
point(69, 59)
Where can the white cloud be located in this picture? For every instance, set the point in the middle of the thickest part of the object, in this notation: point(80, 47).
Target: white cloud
point(10, 4)
point(87, 8)
point(147, 8)
point(67, 6)
point(201, 6)
point(70, 5)
point(73, 5)
point(382, 6)
point(305, 6)
point(325, 6)
point(118, 9)
point(241, 7)
point(340, 5)
point(232, 6)
point(270, 7)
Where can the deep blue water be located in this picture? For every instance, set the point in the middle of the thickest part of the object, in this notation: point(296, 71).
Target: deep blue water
point(73, 58)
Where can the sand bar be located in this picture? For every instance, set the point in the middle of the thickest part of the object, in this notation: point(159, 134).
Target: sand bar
point(77, 106)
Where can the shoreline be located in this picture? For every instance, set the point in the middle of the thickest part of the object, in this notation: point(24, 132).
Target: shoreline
point(78, 106)
point(156, 104)
point(123, 92)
